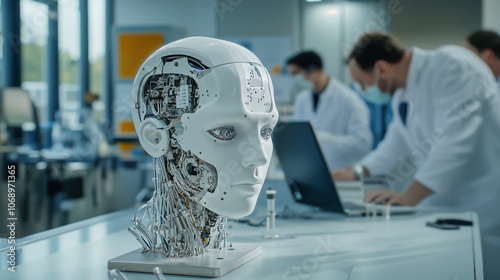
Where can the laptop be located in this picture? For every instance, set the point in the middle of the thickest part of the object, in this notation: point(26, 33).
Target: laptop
point(307, 173)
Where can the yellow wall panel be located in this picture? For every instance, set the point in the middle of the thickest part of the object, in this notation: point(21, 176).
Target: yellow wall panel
point(133, 49)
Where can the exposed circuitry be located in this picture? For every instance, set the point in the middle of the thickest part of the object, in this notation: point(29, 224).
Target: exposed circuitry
point(172, 222)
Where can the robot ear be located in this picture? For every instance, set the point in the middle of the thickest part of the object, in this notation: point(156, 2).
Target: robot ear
point(154, 139)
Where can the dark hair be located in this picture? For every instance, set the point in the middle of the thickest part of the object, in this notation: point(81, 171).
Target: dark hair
point(485, 39)
point(375, 46)
point(307, 60)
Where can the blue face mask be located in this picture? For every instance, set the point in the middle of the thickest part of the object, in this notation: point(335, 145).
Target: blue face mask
point(300, 83)
point(376, 96)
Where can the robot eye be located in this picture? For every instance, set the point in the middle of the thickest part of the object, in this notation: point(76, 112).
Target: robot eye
point(224, 133)
point(265, 132)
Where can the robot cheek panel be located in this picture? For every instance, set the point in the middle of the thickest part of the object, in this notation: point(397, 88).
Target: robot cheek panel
point(238, 140)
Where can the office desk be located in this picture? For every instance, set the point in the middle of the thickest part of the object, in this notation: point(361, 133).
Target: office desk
point(330, 246)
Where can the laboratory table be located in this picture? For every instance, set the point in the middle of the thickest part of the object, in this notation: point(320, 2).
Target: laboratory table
point(317, 245)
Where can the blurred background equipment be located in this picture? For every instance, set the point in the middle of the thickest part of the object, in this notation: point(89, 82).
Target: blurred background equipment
point(19, 117)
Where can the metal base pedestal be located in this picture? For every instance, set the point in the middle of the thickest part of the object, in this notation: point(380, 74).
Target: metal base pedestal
point(214, 263)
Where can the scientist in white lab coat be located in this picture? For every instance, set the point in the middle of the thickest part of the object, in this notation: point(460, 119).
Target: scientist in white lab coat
point(486, 44)
point(338, 115)
point(450, 133)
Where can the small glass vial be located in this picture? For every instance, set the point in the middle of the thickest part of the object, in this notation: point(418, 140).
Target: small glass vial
point(271, 215)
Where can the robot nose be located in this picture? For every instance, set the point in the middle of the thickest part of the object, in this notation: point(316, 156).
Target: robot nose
point(256, 159)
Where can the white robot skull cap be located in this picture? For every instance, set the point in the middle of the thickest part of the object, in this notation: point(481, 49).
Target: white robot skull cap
point(207, 107)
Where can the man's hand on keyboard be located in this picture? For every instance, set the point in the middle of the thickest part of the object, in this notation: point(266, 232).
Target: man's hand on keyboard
point(385, 197)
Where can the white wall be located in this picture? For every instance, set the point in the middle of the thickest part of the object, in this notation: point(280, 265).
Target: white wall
point(430, 23)
point(309, 25)
point(331, 28)
point(491, 15)
point(247, 18)
point(321, 32)
point(362, 17)
point(198, 17)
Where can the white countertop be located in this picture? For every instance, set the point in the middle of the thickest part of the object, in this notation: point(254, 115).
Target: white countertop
point(330, 246)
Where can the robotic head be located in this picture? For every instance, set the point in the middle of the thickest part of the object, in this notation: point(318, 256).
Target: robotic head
point(206, 107)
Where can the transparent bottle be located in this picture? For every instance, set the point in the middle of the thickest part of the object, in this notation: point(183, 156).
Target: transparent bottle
point(271, 215)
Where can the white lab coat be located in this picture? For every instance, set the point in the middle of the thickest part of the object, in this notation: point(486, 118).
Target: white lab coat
point(341, 122)
point(451, 139)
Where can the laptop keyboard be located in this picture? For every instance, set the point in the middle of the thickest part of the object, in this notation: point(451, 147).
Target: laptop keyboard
point(353, 206)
